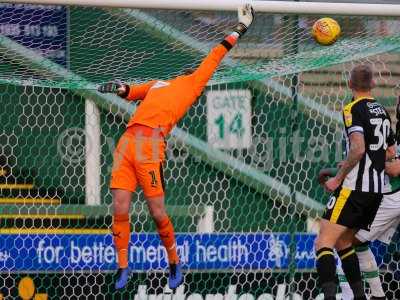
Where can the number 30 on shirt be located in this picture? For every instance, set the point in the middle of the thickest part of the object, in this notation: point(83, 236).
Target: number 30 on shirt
point(382, 131)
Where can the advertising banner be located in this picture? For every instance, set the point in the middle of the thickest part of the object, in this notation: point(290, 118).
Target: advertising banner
point(67, 252)
point(39, 27)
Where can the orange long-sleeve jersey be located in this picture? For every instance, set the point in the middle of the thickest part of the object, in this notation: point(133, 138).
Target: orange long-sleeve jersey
point(164, 103)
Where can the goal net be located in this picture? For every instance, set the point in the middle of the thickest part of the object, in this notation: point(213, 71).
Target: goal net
point(241, 169)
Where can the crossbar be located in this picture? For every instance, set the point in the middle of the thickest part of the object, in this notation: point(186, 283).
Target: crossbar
point(281, 7)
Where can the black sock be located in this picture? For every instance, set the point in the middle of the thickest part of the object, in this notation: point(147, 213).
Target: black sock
point(326, 268)
point(351, 269)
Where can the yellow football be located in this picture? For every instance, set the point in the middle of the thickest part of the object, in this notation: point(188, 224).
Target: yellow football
point(326, 31)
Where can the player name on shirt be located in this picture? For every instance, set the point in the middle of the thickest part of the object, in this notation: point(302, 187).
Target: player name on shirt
point(376, 109)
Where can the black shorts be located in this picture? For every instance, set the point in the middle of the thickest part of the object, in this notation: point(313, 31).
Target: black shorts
point(353, 209)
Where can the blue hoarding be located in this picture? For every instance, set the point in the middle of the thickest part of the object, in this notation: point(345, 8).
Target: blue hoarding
point(56, 252)
point(39, 27)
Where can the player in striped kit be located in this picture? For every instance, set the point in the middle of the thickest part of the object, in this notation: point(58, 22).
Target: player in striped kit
point(357, 187)
point(382, 228)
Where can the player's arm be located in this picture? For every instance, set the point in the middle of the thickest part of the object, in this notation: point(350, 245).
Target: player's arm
point(391, 142)
point(392, 168)
point(325, 174)
point(390, 153)
point(397, 135)
point(129, 92)
point(356, 152)
point(207, 68)
point(392, 165)
point(354, 127)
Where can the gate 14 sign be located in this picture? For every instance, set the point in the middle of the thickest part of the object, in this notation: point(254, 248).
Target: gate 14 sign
point(229, 119)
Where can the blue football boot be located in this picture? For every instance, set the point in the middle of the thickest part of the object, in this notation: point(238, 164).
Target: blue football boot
point(175, 276)
point(122, 278)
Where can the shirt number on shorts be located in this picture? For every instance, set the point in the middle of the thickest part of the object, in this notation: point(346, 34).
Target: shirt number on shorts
point(153, 178)
point(331, 202)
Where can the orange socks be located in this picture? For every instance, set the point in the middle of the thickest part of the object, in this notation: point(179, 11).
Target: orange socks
point(121, 233)
point(166, 231)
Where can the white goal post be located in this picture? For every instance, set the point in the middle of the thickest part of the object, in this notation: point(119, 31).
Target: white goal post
point(282, 7)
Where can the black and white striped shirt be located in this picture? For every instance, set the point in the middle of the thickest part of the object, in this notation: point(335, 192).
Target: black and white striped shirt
point(366, 116)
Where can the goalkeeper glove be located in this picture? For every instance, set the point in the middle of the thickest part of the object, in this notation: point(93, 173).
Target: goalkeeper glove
point(246, 17)
point(114, 87)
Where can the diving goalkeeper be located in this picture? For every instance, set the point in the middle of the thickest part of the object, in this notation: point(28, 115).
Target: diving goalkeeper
point(139, 155)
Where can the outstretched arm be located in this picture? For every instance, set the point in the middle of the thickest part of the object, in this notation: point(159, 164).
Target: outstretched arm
point(137, 91)
point(129, 92)
point(207, 68)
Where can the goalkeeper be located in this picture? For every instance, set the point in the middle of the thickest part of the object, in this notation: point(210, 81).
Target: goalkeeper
point(139, 155)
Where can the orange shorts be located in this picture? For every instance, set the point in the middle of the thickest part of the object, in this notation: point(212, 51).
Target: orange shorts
point(138, 159)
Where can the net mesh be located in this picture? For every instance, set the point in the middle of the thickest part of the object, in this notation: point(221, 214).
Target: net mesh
point(240, 176)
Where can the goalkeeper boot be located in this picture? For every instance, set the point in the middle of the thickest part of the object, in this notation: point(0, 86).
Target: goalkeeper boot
point(122, 278)
point(175, 276)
